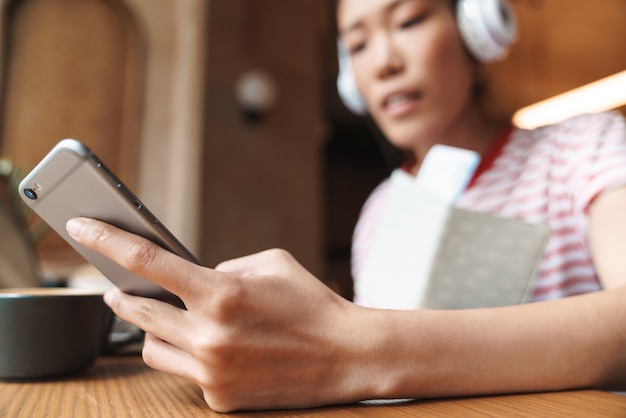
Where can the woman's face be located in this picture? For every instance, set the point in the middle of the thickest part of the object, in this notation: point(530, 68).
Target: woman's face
point(410, 65)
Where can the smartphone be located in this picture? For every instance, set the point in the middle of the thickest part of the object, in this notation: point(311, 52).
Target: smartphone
point(71, 181)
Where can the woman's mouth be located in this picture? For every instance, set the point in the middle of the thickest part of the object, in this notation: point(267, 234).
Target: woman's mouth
point(399, 104)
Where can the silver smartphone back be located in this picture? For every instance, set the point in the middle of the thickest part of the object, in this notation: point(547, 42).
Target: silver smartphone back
point(71, 182)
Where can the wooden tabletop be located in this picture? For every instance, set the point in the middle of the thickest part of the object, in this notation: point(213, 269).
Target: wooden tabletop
point(124, 387)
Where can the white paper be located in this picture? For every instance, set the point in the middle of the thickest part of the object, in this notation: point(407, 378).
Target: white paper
point(401, 257)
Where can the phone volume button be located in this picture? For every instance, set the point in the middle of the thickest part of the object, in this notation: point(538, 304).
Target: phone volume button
point(148, 214)
point(129, 195)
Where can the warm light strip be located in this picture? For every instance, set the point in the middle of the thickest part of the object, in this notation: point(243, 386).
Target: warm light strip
point(607, 93)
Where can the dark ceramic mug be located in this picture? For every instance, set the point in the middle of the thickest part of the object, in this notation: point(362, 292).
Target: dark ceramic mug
point(46, 333)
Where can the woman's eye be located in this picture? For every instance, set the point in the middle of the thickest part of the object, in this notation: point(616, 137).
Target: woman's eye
point(408, 23)
point(356, 48)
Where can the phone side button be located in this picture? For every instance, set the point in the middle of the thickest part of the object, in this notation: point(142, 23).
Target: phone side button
point(148, 214)
point(129, 195)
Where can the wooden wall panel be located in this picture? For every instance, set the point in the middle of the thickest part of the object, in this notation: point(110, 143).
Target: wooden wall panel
point(562, 45)
point(263, 182)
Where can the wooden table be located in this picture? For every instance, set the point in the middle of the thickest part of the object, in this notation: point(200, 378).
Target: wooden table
point(124, 387)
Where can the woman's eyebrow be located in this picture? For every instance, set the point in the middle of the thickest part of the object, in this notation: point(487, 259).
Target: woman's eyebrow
point(356, 26)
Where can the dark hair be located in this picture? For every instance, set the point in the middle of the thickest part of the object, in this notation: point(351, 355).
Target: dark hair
point(333, 5)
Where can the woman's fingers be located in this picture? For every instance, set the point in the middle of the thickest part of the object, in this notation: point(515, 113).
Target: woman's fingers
point(157, 318)
point(139, 256)
point(168, 358)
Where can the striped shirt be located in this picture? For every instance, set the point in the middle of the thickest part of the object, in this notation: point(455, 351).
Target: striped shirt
point(550, 176)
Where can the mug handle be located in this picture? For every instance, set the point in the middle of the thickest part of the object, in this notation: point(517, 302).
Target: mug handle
point(118, 335)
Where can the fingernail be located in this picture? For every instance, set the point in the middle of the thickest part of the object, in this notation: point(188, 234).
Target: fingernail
point(75, 227)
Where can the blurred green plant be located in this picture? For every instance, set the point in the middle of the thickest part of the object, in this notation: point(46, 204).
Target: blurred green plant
point(10, 178)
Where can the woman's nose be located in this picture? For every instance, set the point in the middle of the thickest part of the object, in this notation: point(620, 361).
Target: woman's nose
point(387, 57)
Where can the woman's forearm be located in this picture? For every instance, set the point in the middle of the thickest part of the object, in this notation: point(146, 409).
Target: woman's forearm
point(570, 343)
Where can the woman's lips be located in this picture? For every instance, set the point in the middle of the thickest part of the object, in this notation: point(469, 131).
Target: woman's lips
point(400, 104)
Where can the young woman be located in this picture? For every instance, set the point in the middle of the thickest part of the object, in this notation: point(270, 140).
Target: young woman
point(420, 84)
point(262, 332)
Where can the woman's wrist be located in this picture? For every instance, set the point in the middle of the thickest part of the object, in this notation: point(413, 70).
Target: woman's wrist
point(369, 365)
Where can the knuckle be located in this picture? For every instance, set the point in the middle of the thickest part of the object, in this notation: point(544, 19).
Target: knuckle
point(225, 301)
point(230, 294)
point(223, 266)
point(279, 256)
point(228, 299)
point(216, 349)
point(141, 254)
point(98, 234)
point(145, 315)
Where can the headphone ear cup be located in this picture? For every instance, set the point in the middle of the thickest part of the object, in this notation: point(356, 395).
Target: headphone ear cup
point(488, 28)
point(346, 84)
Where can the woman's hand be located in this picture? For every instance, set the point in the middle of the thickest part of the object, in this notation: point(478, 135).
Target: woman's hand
point(261, 332)
point(258, 332)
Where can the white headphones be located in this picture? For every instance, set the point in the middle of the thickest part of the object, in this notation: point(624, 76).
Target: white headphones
point(488, 29)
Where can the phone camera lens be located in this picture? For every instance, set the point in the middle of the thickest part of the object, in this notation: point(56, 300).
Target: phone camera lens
point(30, 193)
